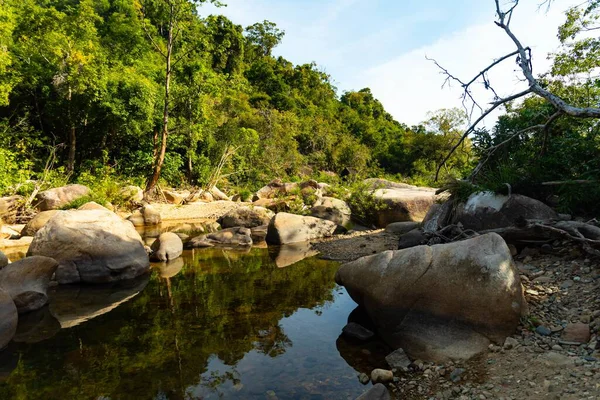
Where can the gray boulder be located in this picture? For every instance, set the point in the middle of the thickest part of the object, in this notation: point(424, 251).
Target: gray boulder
point(8, 318)
point(92, 205)
point(334, 210)
point(53, 199)
point(403, 204)
point(132, 193)
point(27, 280)
point(92, 246)
point(226, 237)
point(247, 217)
point(487, 210)
point(168, 246)
point(290, 228)
point(37, 222)
point(151, 215)
point(3, 260)
point(447, 301)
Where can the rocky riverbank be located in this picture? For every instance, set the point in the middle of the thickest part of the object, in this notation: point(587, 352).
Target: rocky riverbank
point(554, 352)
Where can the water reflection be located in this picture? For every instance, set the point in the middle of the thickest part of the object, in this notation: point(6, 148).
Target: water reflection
point(218, 323)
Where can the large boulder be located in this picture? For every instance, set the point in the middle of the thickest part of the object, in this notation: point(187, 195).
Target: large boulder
point(247, 217)
point(132, 193)
point(92, 205)
point(290, 228)
point(3, 260)
point(402, 204)
point(447, 301)
point(334, 210)
point(8, 318)
point(53, 199)
point(9, 206)
point(487, 210)
point(226, 237)
point(27, 280)
point(168, 246)
point(37, 222)
point(91, 246)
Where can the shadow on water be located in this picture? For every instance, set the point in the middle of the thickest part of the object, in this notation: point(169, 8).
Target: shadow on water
point(216, 323)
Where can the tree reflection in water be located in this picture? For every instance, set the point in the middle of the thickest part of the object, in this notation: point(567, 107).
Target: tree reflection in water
point(182, 336)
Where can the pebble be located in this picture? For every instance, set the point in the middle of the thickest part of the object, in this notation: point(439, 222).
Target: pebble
point(455, 374)
point(382, 376)
point(363, 378)
point(542, 330)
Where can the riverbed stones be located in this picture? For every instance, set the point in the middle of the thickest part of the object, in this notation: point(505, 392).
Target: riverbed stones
point(488, 210)
point(8, 318)
point(92, 246)
point(227, 237)
point(381, 376)
point(441, 302)
point(53, 199)
point(151, 215)
point(247, 217)
point(27, 280)
point(290, 228)
point(377, 392)
point(168, 246)
point(37, 222)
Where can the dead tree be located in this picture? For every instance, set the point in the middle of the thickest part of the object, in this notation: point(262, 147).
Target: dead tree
point(522, 54)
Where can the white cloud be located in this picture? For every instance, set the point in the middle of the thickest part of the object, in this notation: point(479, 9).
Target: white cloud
point(409, 85)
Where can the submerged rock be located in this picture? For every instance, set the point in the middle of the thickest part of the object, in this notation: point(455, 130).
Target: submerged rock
point(440, 302)
point(168, 246)
point(290, 228)
point(8, 318)
point(27, 280)
point(356, 331)
point(93, 246)
point(53, 199)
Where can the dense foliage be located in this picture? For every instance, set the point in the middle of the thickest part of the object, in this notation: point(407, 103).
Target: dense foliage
point(86, 80)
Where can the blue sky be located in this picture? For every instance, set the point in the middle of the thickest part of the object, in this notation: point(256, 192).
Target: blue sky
point(382, 43)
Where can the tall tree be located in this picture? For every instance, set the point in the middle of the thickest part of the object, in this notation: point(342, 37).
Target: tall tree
point(170, 20)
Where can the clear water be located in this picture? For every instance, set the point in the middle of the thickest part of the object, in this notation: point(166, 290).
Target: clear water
point(213, 324)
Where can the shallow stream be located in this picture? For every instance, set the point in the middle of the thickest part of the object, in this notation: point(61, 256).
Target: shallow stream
point(213, 324)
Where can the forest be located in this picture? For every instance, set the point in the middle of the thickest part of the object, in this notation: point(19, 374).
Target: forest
point(154, 92)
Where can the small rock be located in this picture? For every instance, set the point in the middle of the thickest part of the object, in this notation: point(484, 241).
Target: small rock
point(364, 378)
point(510, 343)
point(377, 392)
point(455, 374)
point(382, 376)
point(542, 330)
point(557, 347)
point(578, 332)
point(357, 331)
point(567, 284)
point(398, 359)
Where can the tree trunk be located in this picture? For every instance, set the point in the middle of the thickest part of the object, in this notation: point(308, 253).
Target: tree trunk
point(165, 126)
point(72, 139)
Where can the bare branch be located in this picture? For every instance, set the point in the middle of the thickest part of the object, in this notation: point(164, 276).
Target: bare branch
point(471, 128)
